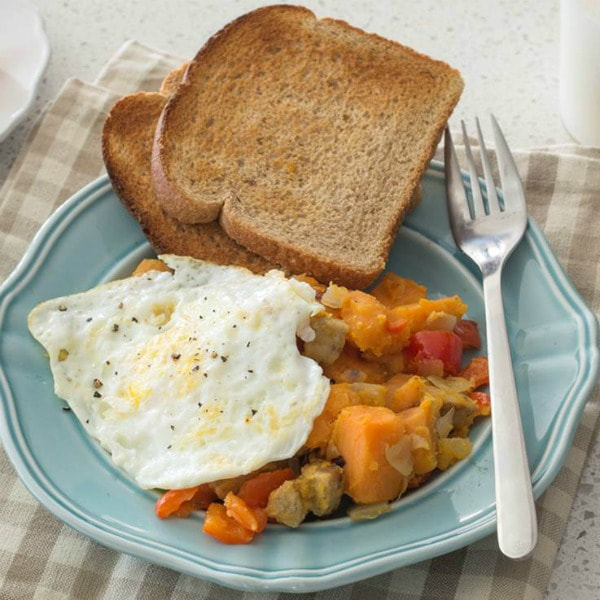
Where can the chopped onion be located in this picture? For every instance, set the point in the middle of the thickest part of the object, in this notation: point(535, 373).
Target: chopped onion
point(440, 320)
point(452, 384)
point(365, 512)
point(460, 447)
point(418, 441)
point(307, 334)
point(451, 450)
point(331, 452)
point(445, 424)
point(399, 456)
point(334, 296)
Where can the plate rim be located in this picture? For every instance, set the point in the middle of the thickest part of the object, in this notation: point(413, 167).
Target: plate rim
point(249, 578)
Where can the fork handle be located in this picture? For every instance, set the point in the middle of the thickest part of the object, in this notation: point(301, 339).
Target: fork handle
point(515, 510)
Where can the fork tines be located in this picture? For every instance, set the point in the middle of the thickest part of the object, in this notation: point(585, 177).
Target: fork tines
point(491, 204)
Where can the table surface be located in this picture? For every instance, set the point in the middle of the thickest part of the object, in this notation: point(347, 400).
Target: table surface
point(507, 52)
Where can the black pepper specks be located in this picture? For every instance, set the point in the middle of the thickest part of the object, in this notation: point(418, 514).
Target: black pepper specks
point(250, 371)
point(120, 305)
point(97, 394)
point(248, 345)
point(66, 408)
point(224, 358)
point(134, 319)
point(169, 447)
point(175, 356)
point(196, 368)
point(115, 327)
point(254, 411)
point(172, 427)
point(62, 307)
point(88, 320)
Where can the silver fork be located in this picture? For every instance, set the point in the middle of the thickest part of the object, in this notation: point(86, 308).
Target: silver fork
point(488, 235)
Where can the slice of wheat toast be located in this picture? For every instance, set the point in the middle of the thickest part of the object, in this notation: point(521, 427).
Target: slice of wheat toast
point(127, 147)
point(305, 137)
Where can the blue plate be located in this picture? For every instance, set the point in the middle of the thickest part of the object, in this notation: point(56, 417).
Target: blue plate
point(91, 239)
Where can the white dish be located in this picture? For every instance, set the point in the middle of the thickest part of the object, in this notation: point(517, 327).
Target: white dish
point(24, 53)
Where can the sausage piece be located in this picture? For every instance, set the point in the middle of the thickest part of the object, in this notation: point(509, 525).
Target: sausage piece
point(330, 337)
point(321, 487)
point(286, 505)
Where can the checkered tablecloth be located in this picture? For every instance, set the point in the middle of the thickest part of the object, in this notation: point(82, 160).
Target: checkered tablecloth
point(42, 558)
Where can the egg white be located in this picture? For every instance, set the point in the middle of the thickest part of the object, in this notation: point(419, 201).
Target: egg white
point(189, 377)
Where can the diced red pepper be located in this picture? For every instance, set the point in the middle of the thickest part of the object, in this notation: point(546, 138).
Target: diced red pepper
point(180, 503)
point(439, 345)
point(395, 324)
point(477, 371)
point(255, 492)
point(254, 519)
point(483, 403)
point(468, 332)
point(224, 528)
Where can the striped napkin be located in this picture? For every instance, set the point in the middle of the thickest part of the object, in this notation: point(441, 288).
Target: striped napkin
point(42, 558)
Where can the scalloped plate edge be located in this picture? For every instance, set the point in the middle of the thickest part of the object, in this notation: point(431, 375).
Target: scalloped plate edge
point(297, 579)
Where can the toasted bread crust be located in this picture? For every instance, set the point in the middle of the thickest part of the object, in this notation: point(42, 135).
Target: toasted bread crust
point(174, 200)
point(126, 147)
point(172, 80)
point(310, 263)
point(336, 218)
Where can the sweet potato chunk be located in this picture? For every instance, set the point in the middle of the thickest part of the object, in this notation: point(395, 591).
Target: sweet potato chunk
point(420, 422)
point(416, 314)
point(342, 395)
point(452, 305)
point(361, 434)
point(367, 319)
point(394, 290)
point(371, 326)
point(404, 391)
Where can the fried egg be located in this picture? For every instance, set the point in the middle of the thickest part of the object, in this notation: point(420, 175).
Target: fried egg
point(187, 377)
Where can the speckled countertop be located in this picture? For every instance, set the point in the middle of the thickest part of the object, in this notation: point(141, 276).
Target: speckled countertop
point(507, 51)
